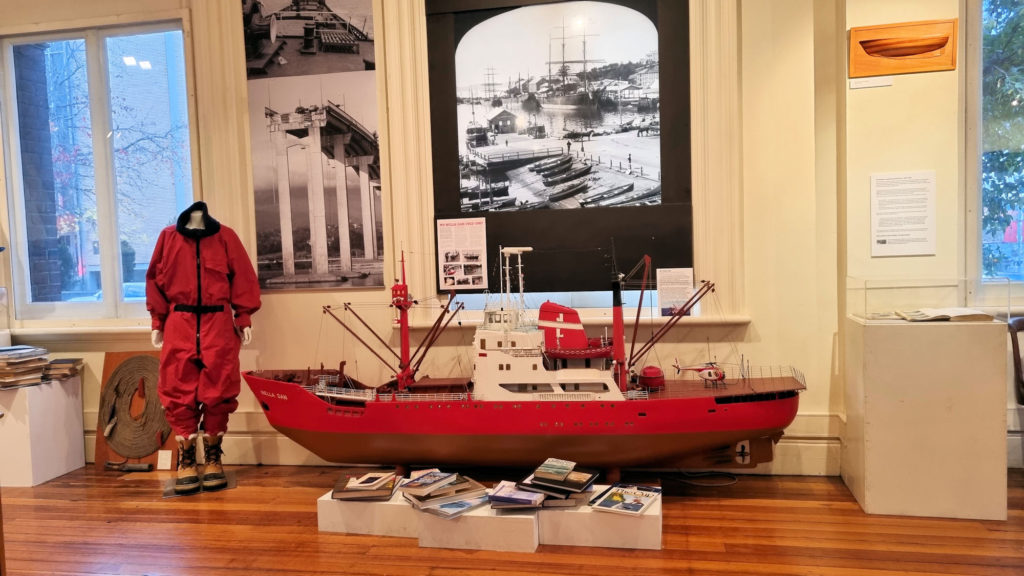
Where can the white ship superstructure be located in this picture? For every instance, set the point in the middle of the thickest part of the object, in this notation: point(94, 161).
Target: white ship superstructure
point(509, 361)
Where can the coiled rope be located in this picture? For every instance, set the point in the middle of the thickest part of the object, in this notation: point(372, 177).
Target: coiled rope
point(129, 436)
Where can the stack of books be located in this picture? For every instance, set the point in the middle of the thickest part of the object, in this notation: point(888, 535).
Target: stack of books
point(562, 482)
point(444, 494)
point(62, 368)
point(631, 499)
point(22, 365)
point(377, 486)
point(506, 496)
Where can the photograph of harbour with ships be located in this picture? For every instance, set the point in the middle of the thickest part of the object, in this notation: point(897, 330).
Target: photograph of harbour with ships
point(638, 146)
point(313, 113)
point(558, 107)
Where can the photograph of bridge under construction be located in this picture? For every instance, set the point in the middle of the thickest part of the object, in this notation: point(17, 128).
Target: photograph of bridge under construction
point(558, 108)
point(316, 181)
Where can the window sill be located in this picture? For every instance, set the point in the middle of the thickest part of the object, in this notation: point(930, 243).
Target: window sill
point(43, 336)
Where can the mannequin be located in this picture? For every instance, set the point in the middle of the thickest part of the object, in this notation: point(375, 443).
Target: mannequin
point(201, 291)
point(195, 222)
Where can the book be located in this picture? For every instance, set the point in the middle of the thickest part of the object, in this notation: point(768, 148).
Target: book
point(21, 352)
point(940, 314)
point(554, 469)
point(369, 481)
point(530, 486)
point(427, 483)
point(383, 493)
point(628, 499)
point(575, 481)
point(464, 489)
point(456, 508)
point(506, 492)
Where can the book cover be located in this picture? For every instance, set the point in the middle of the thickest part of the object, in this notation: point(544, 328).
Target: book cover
point(427, 483)
point(575, 481)
point(554, 469)
point(369, 481)
point(383, 493)
point(464, 489)
point(506, 491)
point(627, 499)
point(456, 508)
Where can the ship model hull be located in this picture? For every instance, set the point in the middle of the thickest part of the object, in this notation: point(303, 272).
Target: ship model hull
point(686, 419)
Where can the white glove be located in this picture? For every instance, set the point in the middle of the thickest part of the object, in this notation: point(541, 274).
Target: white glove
point(157, 338)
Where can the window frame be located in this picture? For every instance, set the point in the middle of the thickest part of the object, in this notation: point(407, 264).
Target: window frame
point(112, 309)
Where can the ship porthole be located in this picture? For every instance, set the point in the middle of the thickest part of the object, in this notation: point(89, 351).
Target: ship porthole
point(266, 407)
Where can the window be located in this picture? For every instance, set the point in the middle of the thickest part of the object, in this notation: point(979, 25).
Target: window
point(996, 107)
point(97, 146)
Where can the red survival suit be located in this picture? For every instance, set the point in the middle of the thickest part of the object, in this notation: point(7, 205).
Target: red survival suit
point(200, 285)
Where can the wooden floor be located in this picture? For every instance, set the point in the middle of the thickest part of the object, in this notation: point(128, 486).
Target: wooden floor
point(92, 523)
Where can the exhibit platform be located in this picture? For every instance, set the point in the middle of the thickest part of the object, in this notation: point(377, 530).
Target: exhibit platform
point(487, 529)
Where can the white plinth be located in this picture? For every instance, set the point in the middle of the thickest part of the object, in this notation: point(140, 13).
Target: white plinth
point(392, 518)
point(581, 526)
point(481, 529)
point(41, 432)
point(926, 418)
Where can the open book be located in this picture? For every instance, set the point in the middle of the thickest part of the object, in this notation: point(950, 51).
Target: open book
point(951, 314)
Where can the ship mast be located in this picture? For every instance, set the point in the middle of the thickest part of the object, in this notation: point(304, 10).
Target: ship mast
point(401, 301)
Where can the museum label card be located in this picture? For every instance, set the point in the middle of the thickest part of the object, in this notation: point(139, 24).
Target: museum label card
point(462, 254)
point(903, 214)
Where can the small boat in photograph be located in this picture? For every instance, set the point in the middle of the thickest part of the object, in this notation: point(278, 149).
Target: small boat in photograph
point(572, 174)
point(567, 190)
point(561, 165)
point(632, 197)
point(548, 162)
point(605, 193)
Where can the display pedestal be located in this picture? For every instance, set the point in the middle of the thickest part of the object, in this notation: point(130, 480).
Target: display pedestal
point(481, 529)
point(392, 518)
point(41, 432)
point(488, 529)
point(926, 418)
point(581, 526)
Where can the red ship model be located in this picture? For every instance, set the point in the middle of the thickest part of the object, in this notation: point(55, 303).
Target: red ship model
point(540, 388)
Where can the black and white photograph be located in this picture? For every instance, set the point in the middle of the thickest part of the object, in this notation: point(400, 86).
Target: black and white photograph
point(303, 37)
point(316, 155)
point(558, 108)
point(599, 198)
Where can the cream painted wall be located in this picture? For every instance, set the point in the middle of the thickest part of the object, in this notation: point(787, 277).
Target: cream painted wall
point(912, 125)
point(783, 274)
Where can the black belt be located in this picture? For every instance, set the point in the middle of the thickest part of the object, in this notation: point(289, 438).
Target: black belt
point(198, 309)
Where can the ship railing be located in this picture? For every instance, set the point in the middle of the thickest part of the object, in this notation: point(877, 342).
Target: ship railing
point(408, 397)
point(567, 397)
point(345, 393)
point(522, 352)
point(637, 395)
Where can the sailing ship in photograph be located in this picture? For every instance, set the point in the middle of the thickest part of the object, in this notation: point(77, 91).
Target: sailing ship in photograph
point(540, 387)
point(563, 112)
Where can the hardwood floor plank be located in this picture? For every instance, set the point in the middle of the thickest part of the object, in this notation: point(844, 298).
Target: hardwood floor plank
point(99, 523)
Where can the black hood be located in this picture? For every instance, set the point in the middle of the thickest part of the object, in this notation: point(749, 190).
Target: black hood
point(210, 226)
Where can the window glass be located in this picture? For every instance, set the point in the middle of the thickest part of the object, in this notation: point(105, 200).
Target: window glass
point(1002, 140)
point(54, 129)
point(150, 139)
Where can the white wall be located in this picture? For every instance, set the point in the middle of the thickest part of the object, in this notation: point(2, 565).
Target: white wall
point(799, 220)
